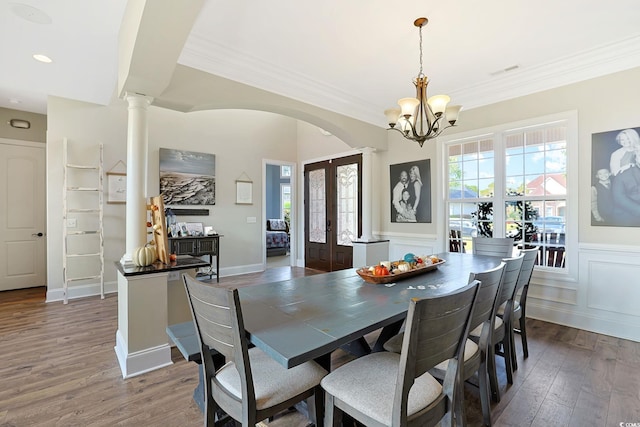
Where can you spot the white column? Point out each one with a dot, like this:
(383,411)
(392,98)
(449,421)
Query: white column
(367,193)
(137,148)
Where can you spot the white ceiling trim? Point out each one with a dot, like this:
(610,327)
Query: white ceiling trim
(217,59)
(600,61)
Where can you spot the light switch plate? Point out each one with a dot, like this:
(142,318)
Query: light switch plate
(251,220)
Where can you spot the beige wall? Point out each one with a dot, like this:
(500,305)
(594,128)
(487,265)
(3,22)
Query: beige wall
(240,139)
(36,133)
(597,293)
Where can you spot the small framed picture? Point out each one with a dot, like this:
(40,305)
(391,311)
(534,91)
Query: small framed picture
(116,187)
(244,190)
(182,230)
(195,228)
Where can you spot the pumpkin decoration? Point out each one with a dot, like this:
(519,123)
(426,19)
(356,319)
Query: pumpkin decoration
(144,256)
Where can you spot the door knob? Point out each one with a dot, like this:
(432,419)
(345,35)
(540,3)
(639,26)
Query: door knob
(38,234)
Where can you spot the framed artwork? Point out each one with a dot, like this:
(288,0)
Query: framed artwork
(187,178)
(244,192)
(410,185)
(116,187)
(615,178)
(195,228)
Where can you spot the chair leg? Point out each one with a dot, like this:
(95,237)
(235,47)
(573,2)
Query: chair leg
(507,349)
(485,400)
(332,415)
(493,377)
(523,336)
(316,406)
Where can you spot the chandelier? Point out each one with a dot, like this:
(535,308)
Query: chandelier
(422,118)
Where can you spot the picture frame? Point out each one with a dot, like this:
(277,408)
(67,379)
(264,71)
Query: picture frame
(116,188)
(187,177)
(182,230)
(195,229)
(615,158)
(410,185)
(244,192)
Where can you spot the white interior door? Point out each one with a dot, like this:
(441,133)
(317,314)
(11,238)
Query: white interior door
(22,215)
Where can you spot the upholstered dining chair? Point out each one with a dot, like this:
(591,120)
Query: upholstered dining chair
(476,355)
(391,389)
(517,306)
(500,336)
(494,246)
(251,386)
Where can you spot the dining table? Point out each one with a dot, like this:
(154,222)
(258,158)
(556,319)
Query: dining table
(307,318)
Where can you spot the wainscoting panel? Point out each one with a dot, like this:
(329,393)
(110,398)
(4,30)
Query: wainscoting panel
(400,244)
(605,297)
(618,292)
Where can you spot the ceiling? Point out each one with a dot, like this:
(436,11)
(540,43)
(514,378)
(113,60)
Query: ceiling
(354,57)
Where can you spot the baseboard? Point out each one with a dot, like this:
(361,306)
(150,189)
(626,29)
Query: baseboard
(140,362)
(81,291)
(241,269)
(583,321)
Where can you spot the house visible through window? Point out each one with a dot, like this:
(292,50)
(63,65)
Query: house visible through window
(512,183)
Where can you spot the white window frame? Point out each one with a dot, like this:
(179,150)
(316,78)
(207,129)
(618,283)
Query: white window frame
(496,132)
(282,187)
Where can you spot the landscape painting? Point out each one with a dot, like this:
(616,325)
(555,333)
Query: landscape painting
(187,178)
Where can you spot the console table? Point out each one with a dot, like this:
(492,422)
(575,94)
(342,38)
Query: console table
(199,246)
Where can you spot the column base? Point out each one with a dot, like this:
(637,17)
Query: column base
(140,362)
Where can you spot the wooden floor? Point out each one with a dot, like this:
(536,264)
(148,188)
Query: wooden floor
(58,368)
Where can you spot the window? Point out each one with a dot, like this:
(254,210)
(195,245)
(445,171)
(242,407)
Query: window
(285,171)
(512,182)
(285,202)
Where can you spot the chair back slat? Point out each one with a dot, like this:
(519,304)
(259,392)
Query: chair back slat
(512,269)
(211,307)
(491,281)
(495,246)
(528,263)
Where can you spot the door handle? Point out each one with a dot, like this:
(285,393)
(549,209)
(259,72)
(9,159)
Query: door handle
(38,234)
(328,225)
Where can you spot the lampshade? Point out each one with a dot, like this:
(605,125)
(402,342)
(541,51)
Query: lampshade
(438,104)
(392,115)
(408,106)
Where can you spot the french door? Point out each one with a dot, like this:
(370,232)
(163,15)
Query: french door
(333,210)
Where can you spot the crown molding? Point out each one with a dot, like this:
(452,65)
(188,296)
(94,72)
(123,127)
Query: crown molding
(220,60)
(215,58)
(599,61)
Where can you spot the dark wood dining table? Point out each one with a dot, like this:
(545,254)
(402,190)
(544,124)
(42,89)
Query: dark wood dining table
(309,317)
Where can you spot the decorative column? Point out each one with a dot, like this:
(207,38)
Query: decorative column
(367,250)
(367,193)
(137,150)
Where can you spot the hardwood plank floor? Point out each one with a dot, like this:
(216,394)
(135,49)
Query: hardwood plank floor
(58,368)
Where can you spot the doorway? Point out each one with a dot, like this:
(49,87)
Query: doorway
(332,207)
(22,215)
(278,201)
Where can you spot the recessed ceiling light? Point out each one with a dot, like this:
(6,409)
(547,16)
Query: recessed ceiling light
(30,13)
(14,100)
(42,58)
